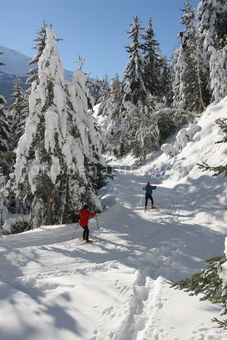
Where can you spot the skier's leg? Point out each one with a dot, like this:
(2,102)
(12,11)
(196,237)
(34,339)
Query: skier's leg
(87,238)
(86,233)
(146,199)
(152,201)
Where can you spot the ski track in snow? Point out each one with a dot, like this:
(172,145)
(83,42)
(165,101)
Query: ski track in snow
(55,276)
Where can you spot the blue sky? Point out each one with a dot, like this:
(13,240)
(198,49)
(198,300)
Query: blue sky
(94,29)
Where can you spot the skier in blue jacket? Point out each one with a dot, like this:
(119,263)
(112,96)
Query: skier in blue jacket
(148,195)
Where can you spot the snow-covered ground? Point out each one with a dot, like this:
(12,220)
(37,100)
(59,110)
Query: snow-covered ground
(56,288)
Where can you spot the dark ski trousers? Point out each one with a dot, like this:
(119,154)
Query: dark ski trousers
(149,196)
(85,233)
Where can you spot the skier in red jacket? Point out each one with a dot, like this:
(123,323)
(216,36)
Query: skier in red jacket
(84,216)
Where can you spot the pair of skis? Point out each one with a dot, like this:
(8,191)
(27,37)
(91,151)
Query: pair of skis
(151,208)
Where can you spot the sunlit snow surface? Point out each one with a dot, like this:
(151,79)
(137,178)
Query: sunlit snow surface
(53,287)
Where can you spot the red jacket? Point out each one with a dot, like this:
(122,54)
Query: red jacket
(84,216)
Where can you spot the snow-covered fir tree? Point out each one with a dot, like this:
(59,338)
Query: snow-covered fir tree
(4,127)
(5,155)
(1,63)
(189,85)
(99,89)
(136,118)
(50,171)
(111,110)
(18,111)
(40,45)
(139,88)
(147,132)
(179,68)
(165,82)
(152,62)
(135,88)
(90,137)
(5,137)
(212,25)
(218,73)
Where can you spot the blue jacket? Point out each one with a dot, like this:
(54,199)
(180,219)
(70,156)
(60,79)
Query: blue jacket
(149,188)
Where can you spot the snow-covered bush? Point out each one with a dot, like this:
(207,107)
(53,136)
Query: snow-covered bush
(182,138)
(169,150)
(16,224)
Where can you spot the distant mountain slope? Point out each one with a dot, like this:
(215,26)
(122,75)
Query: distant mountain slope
(16,64)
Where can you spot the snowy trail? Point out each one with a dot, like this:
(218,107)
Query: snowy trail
(57,288)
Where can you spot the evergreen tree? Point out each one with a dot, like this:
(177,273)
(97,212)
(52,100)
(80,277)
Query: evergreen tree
(90,135)
(147,132)
(6,155)
(132,123)
(112,105)
(40,45)
(165,81)
(104,89)
(189,86)
(209,283)
(4,127)
(111,110)
(99,89)
(116,94)
(1,64)
(50,171)
(218,73)
(212,16)
(179,67)
(18,111)
(152,62)
(135,88)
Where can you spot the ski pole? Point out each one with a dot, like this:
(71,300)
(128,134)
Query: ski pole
(75,231)
(98,227)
